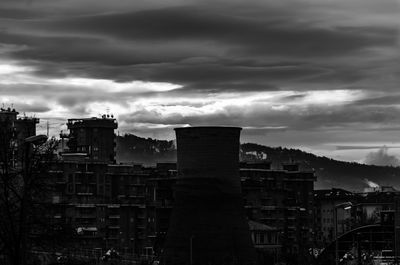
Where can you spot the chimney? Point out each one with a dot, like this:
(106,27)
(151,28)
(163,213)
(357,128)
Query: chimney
(208,223)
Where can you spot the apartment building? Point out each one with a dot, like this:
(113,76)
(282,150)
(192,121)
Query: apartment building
(282,199)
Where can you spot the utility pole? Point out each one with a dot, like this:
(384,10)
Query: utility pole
(336,238)
(345,206)
(191,249)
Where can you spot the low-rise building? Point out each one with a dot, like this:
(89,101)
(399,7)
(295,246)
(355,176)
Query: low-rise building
(266,240)
(325,202)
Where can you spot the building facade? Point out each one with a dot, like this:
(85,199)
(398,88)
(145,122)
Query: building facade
(128,207)
(92,137)
(282,199)
(325,202)
(15,130)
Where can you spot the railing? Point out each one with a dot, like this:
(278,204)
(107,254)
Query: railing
(91,256)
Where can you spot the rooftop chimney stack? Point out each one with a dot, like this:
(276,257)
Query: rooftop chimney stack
(208,223)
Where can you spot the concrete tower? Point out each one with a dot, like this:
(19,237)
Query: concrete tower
(208,223)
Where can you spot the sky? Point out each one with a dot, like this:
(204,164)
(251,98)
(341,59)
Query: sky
(319,75)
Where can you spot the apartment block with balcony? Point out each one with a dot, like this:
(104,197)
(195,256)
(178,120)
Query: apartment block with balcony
(282,199)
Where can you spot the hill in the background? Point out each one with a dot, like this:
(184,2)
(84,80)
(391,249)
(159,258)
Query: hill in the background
(147,151)
(330,172)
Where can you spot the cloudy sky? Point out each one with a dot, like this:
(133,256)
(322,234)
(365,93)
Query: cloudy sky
(320,75)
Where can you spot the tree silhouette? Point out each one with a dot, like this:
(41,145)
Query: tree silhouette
(24,187)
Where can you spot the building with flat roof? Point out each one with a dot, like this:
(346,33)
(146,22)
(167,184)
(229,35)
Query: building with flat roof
(282,199)
(16,129)
(93,137)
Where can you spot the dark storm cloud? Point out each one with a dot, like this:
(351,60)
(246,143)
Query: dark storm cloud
(353,114)
(241,78)
(209,50)
(94,57)
(14,13)
(381,100)
(293,97)
(37,107)
(217,51)
(91,50)
(248,35)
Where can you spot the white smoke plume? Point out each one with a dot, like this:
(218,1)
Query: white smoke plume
(382,158)
(371,184)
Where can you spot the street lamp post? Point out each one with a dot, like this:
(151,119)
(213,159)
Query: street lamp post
(345,206)
(191,249)
(36,139)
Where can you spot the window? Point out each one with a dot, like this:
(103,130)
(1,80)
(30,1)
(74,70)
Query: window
(60,177)
(100,179)
(269,240)
(262,239)
(107,190)
(101,190)
(70,188)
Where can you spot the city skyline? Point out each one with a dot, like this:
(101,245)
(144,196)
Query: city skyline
(321,76)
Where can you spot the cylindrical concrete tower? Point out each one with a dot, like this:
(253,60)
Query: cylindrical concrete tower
(208,223)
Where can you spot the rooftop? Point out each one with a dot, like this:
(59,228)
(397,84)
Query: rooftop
(332,194)
(106,121)
(8,111)
(259,226)
(207,128)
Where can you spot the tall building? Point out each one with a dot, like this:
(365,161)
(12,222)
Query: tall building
(104,204)
(8,115)
(7,134)
(94,138)
(204,204)
(108,205)
(16,129)
(23,127)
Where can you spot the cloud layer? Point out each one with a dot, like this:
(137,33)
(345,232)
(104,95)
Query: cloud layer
(309,74)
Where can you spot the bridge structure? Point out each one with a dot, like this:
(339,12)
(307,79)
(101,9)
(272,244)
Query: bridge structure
(364,241)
